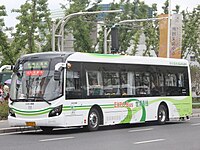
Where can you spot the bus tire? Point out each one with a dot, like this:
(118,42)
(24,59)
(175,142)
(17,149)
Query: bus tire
(93,120)
(47,129)
(162,114)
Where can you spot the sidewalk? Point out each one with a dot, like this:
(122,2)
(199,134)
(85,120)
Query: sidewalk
(5,128)
(196,112)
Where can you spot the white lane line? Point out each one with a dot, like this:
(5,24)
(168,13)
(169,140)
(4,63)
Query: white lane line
(139,130)
(149,141)
(56,139)
(195,124)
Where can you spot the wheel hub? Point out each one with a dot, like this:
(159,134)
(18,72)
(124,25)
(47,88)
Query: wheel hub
(93,120)
(162,115)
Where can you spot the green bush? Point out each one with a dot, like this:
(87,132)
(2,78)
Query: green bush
(196,100)
(4,110)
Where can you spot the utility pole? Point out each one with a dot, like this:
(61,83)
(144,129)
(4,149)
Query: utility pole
(53,35)
(105,40)
(169,31)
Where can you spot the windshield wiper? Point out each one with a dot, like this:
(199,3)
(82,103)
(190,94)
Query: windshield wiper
(39,97)
(13,101)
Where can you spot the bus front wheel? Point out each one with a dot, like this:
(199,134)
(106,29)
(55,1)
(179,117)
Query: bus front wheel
(162,114)
(93,120)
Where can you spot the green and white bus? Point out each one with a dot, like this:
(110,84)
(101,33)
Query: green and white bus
(60,89)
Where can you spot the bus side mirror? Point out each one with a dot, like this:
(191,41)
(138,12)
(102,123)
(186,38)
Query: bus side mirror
(57,71)
(57,75)
(60,65)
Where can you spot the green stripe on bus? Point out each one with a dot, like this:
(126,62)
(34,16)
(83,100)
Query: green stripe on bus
(34,111)
(130,113)
(105,55)
(179,104)
(31,114)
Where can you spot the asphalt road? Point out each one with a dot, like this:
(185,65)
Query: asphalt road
(172,136)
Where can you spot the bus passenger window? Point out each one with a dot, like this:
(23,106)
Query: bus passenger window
(142,83)
(126,83)
(156,88)
(180,80)
(94,84)
(170,80)
(73,85)
(111,83)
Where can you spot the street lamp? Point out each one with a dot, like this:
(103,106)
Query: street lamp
(64,21)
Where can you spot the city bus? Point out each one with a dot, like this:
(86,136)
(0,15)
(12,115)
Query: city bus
(62,89)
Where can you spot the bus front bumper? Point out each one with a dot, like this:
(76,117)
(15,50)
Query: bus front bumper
(57,121)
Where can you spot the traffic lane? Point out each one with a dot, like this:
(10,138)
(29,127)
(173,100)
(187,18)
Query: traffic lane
(184,136)
(172,135)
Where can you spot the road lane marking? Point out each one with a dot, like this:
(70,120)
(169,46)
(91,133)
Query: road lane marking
(56,139)
(149,141)
(139,130)
(195,124)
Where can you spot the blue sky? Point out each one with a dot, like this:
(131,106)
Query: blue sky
(55,5)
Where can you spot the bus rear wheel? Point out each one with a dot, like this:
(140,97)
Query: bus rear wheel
(47,129)
(162,114)
(93,120)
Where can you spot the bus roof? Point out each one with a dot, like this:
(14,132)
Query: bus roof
(125,59)
(110,58)
(45,55)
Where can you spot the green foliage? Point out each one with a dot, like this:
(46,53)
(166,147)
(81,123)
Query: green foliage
(197,101)
(136,39)
(191,32)
(165,7)
(33,30)
(81,26)
(195,76)
(130,33)
(4,45)
(4,109)
(2,13)
(177,9)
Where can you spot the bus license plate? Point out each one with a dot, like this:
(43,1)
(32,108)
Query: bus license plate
(32,124)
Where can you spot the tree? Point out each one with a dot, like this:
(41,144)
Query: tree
(129,33)
(165,7)
(191,32)
(151,33)
(195,75)
(177,9)
(8,57)
(33,31)
(81,26)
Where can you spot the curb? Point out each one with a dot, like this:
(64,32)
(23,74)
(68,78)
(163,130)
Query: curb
(16,129)
(2,121)
(195,115)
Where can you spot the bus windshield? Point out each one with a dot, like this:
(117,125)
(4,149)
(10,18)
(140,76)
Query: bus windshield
(34,81)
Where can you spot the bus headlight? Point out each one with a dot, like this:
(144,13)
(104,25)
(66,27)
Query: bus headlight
(56,111)
(11,112)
